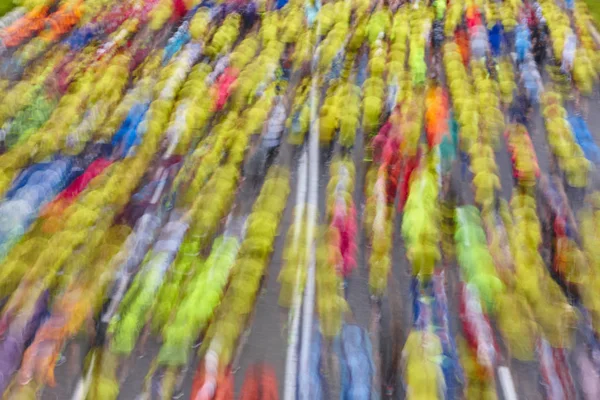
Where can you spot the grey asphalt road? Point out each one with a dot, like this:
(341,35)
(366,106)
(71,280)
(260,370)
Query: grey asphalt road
(267,337)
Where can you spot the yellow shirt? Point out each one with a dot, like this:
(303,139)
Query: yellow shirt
(423,257)
(480,164)
(485,184)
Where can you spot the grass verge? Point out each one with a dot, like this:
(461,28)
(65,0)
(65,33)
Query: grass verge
(5,6)
(594,7)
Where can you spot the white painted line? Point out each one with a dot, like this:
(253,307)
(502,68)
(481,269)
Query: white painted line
(291,366)
(83,386)
(311,217)
(307,326)
(506,381)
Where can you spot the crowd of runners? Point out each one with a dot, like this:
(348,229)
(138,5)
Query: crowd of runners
(154,152)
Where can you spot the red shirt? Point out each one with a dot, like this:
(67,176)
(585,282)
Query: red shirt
(379,141)
(224,84)
(68,195)
(409,166)
(179,8)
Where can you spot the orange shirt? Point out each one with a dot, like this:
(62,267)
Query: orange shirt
(463,45)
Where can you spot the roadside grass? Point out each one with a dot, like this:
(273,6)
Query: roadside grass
(594,7)
(5,6)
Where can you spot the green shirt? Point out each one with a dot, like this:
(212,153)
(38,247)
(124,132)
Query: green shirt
(448,146)
(440,8)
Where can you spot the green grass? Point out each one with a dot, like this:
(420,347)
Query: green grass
(594,7)
(5,6)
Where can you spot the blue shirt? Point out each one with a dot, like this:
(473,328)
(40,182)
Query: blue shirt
(311,12)
(495,37)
